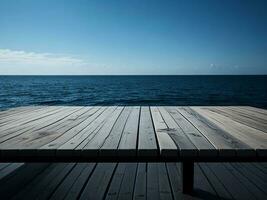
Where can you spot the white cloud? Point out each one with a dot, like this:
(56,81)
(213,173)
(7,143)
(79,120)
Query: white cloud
(10,57)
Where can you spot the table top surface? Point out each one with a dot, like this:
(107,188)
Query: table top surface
(133,133)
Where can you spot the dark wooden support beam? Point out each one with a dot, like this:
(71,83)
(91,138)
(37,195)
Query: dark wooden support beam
(187,169)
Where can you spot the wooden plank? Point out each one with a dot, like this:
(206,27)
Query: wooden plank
(15,110)
(34,139)
(147,141)
(252,137)
(3,165)
(28,189)
(93,146)
(46,122)
(77,187)
(254,190)
(223,141)
(241,118)
(27,117)
(14,127)
(98,183)
(122,184)
(261,184)
(114,188)
(248,113)
(19,178)
(17,125)
(186,147)
(205,148)
(86,119)
(175,182)
(83,137)
(166,144)
(18,117)
(257,171)
(17,113)
(48,135)
(158,186)
(128,142)
(62,190)
(128,182)
(9,169)
(232,184)
(48,190)
(140,183)
(38,188)
(202,187)
(216,183)
(257,110)
(112,141)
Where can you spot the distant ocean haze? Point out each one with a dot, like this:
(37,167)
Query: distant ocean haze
(133,90)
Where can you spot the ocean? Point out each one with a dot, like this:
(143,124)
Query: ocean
(132,90)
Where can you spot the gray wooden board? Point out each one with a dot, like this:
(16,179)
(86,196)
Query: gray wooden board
(46,136)
(166,144)
(82,138)
(254,109)
(112,141)
(25,191)
(93,146)
(254,138)
(261,184)
(133,181)
(99,181)
(205,148)
(134,132)
(38,188)
(202,188)
(90,133)
(81,124)
(147,141)
(242,118)
(158,186)
(32,140)
(77,187)
(67,183)
(215,182)
(230,182)
(21,177)
(128,182)
(185,145)
(226,143)
(140,183)
(18,114)
(30,117)
(29,128)
(255,116)
(34,118)
(128,141)
(49,189)
(250,186)
(122,184)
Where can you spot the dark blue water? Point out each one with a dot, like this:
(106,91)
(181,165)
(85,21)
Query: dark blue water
(133,90)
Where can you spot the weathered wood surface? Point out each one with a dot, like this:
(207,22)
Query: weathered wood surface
(138,181)
(133,133)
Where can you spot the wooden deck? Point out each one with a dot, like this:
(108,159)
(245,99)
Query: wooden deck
(117,133)
(138,181)
(137,134)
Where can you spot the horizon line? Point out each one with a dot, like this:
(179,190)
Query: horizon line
(133,75)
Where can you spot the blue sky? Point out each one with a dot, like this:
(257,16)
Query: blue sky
(133,37)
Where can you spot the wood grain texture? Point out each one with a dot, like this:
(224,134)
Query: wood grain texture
(133,133)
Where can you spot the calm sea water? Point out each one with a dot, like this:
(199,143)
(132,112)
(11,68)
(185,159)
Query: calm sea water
(133,90)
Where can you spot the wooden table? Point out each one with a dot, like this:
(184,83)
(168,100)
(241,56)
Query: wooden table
(134,134)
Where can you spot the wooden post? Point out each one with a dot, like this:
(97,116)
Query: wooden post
(187,169)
